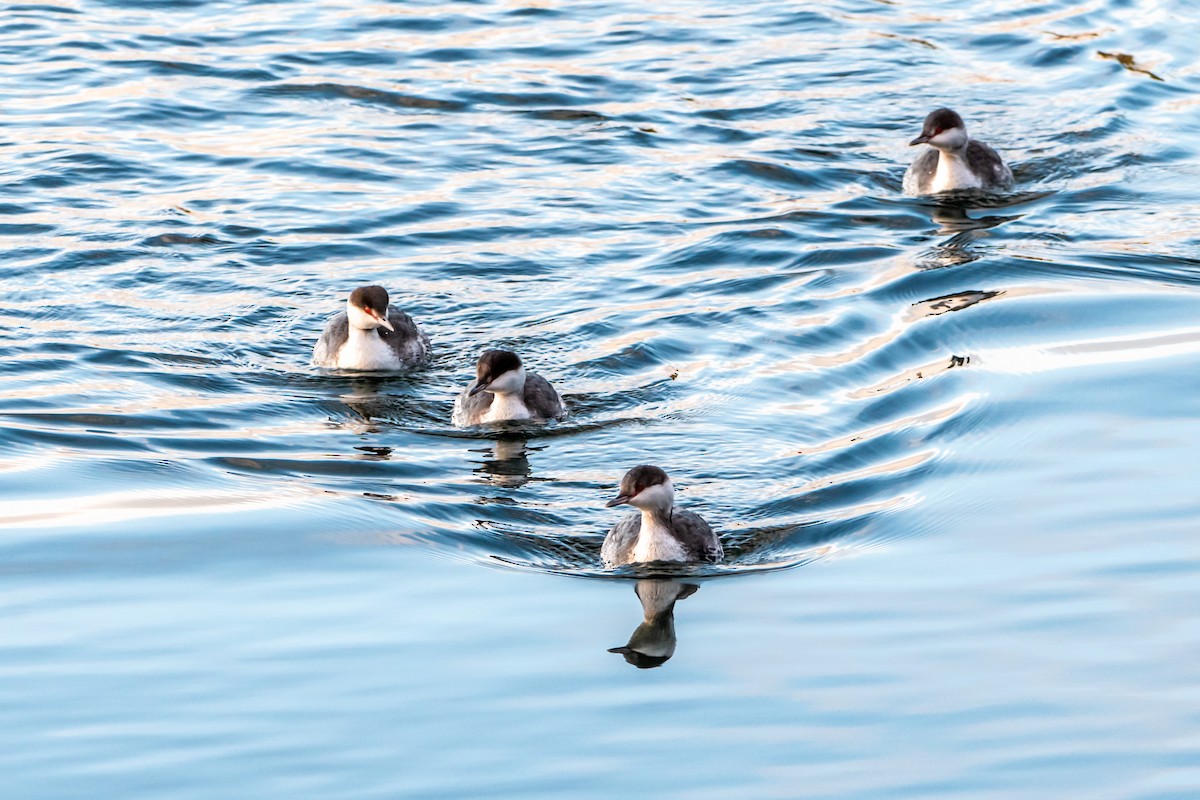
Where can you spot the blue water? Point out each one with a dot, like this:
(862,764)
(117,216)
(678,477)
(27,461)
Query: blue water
(950,446)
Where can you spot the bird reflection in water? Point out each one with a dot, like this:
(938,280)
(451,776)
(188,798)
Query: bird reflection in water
(955,251)
(950,211)
(653,642)
(954,219)
(366,402)
(506,462)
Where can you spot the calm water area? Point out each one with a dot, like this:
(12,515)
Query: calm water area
(951,445)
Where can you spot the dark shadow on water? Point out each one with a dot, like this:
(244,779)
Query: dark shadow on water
(371,453)
(936,306)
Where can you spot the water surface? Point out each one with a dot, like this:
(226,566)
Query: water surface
(950,445)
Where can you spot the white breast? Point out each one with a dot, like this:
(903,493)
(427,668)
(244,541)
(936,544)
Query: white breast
(365,350)
(506,407)
(953,173)
(655,543)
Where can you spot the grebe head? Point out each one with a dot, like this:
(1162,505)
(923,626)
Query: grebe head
(367,308)
(645,487)
(499,372)
(943,129)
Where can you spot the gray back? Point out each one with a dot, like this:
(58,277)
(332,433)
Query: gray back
(696,536)
(540,398)
(987,164)
(409,344)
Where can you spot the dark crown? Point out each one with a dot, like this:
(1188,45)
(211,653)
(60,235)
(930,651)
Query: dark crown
(494,363)
(642,477)
(374,298)
(941,119)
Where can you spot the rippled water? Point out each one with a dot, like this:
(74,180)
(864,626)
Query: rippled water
(225,572)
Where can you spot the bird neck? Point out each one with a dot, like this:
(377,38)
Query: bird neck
(656,537)
(658,598)
(655,504)
(657,517)
(956,149)
(507,406)
(356,334)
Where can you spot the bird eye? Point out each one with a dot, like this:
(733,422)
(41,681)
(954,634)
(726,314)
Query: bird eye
(939,130)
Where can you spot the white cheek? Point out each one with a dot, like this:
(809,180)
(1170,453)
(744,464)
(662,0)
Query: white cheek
(511,381)
(360,319)
(952,139)
(655,496)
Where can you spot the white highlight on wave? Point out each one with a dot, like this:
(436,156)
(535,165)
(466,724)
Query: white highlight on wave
(1090,352)
(117,507)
